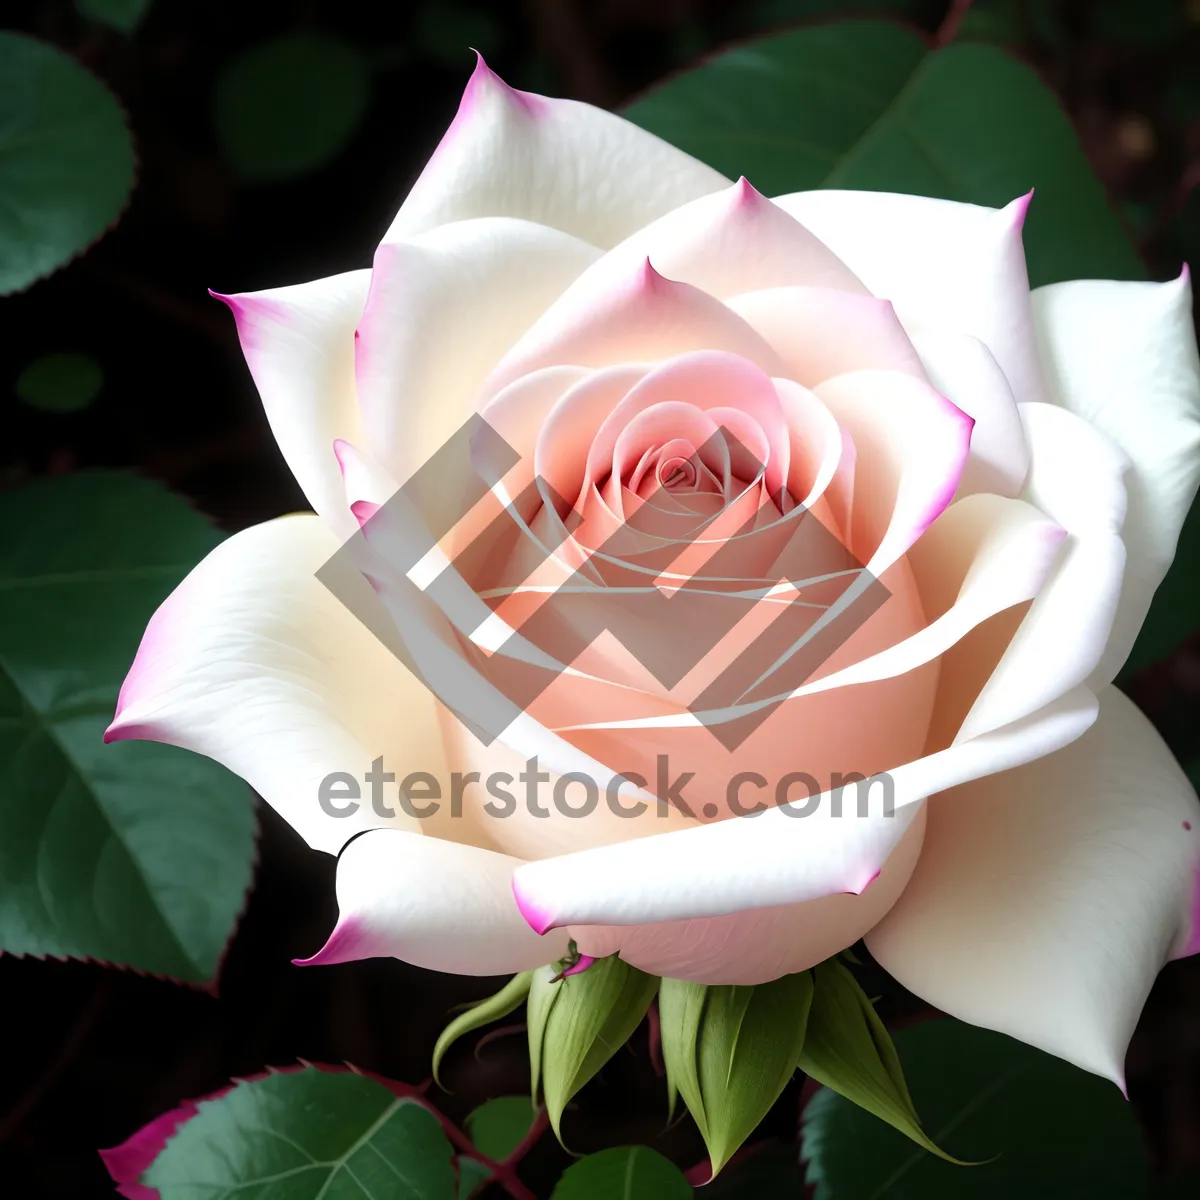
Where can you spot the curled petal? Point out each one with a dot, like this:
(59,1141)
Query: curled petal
(432,903)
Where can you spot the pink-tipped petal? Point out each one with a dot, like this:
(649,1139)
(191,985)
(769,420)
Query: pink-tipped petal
(943,265)
(777,857)
(255,663)
(434,903)
(560,163)
(635,317)
(1123,357)
(299,346)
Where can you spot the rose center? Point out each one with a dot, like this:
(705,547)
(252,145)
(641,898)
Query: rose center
(676,472)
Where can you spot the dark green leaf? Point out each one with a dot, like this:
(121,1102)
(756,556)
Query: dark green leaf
(680,1011)
(290,105)
(578,1023)
(848,1049)
(1052,1131)
(133,853)
(623,1173)
(62,383)
(122,15)
(66,160)
(472,1175)
(506,1000)
(497,1127)
(867,105)
(307,1134)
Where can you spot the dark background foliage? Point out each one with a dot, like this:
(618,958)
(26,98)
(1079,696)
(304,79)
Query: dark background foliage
(92,1054)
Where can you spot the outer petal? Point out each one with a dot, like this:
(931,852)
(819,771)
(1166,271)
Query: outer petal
(253,662)
(299,346)
(432,903)
(561,163)
(1075,478)
(944,264)
(1047,898)
(760,944)
(1123,356)
(442,311)
(774,857)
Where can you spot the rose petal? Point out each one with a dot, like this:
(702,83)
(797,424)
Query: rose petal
(640,317)
(560,163)
(1075,478)
(911,448)
(774,858)
(442,311)
(733,241)
(941,263)
(760,944)
(1123,356)
(820,333)
(256,664)
(299,346)
(434,904)
(1047,898)
(963,370)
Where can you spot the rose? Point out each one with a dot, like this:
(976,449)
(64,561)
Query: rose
(1013,466)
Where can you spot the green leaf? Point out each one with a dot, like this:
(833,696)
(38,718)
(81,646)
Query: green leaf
(306,1134)
(60,383)
(506,1000)
(867,105)
(122,15)
(577,1023)
(133,853)
(290,105)
(66,160)
(623,1173)
(1050,1130)
(497,1127)
(472,1175)
(848,1049)
(744,1049)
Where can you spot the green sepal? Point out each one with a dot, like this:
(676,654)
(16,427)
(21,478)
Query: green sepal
(733,1050)
(680,1008)
(849,1051)
(485,1012)
(578,1022)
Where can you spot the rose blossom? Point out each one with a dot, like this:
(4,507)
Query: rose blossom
(1013,466)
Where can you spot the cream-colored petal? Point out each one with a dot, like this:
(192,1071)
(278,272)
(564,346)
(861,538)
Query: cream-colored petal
(1047,897)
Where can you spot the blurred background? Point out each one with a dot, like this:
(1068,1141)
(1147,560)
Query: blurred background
(274,141)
